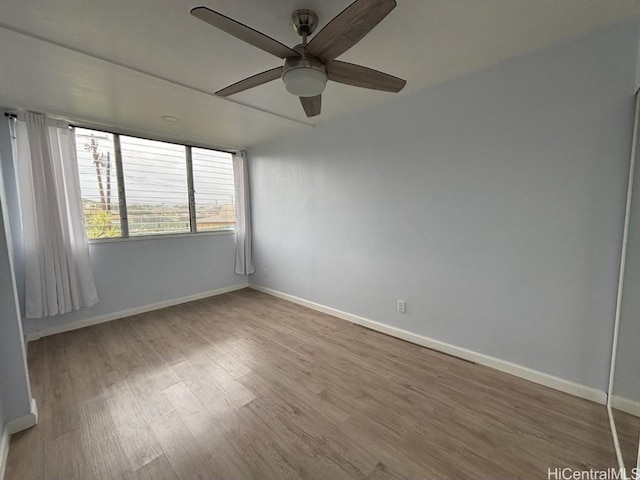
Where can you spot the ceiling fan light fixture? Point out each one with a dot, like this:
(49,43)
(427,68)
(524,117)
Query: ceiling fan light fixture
(304,77)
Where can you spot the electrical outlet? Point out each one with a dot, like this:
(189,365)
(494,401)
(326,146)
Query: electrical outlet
(402,306)
(266,273)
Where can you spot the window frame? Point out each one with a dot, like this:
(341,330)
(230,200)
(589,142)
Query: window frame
(122,205)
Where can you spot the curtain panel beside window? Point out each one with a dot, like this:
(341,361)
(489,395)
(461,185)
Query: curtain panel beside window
(58,271)
(244,258)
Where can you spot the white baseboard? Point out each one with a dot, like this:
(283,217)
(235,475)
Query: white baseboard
(131,311)
(14,426)
(626,405)
(535,376)
(25,421)
(4,450)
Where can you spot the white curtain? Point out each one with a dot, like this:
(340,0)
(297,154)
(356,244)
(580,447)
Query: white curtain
(244,259)
(57,264)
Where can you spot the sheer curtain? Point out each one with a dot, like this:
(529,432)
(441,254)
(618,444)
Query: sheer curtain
(244,258)
(58,272)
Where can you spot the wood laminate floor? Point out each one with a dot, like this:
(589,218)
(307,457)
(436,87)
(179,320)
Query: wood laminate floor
(245,385)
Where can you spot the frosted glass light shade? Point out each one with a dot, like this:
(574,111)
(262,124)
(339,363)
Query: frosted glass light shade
(304,82)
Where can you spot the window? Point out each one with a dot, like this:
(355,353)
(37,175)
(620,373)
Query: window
(155,179)
(136,187)
(214,193)
(98,183)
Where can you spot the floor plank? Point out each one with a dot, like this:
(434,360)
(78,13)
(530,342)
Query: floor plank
(245,385)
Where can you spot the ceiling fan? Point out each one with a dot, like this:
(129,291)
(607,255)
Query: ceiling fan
(308,66)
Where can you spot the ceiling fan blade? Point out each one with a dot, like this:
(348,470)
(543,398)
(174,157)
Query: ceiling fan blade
(311,105)
(251,82)
(243,32)
(359,76)
(348,27)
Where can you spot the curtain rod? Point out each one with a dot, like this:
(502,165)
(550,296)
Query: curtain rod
(232,152)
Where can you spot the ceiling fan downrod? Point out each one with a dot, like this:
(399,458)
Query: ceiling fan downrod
(304,22)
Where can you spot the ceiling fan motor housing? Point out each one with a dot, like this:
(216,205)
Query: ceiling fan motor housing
(304,22)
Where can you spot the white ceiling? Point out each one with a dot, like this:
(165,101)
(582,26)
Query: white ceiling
(123,64)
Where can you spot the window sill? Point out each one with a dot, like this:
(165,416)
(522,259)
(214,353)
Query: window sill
(97,241)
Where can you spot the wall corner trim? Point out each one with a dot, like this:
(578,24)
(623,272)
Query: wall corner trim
(526,373)
(4,449)
(131,311)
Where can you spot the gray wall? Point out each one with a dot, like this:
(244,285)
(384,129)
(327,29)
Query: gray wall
(627,373)
(11,194)
(136,273)
(15,394)
(2,419)
(493,204)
